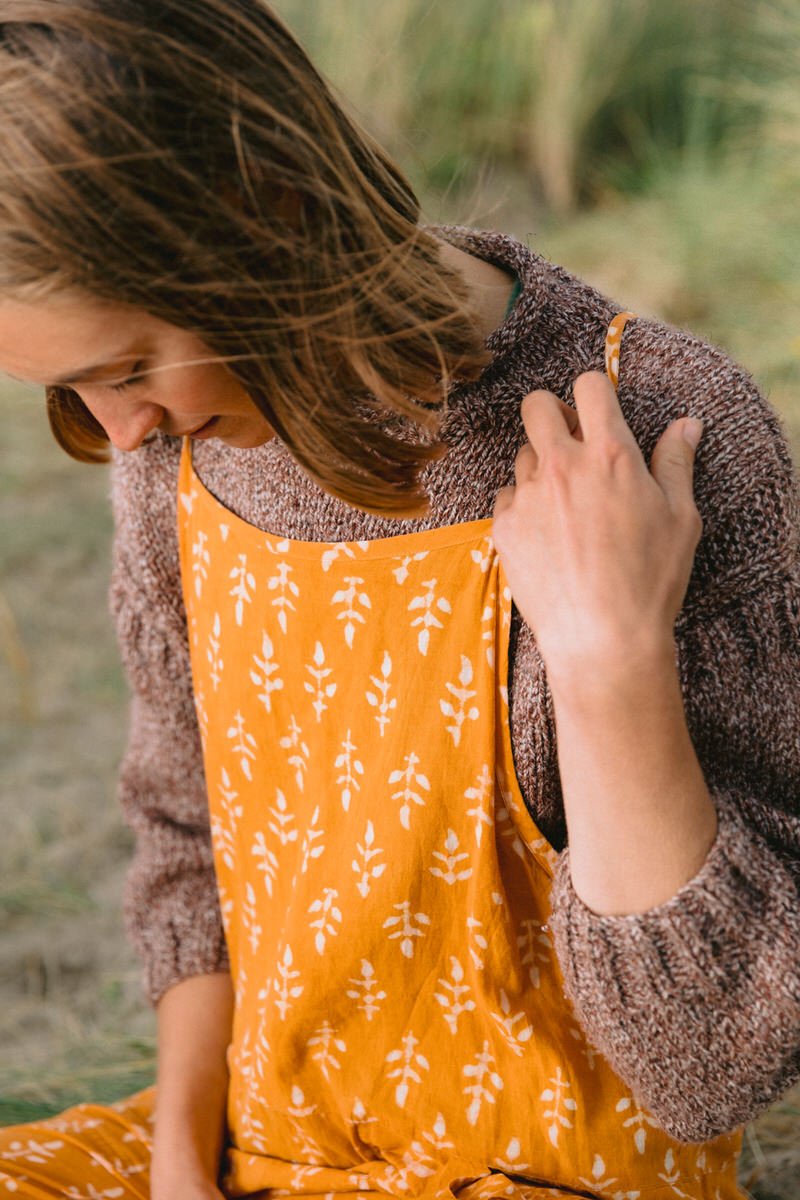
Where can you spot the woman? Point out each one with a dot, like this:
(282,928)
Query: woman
(399,939)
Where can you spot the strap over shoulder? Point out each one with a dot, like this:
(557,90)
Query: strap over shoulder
(613,342)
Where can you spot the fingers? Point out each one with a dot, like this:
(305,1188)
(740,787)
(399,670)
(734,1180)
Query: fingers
(503,500)
(598,408)
(547,419)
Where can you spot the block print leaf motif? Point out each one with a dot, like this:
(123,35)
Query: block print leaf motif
(351,768)
(409,1064)
(266,667)
(329,1045)
(202,716)
(351,597)
(32,1151)
(312,845)
(330,555)
(586,1048)
(460,712)
(244,745)
(513,1026)
(282,820)
(202,558)
(478,942)
(487,1083)
(320,690)
(533,943)
(365,989)
(485,556)
(638,1121)
(416,1160)
(299,759)
(455,998)
(401,573)
(262,1051)
(268,863)
(213,655)
(512,1163)
(508,831)
(450,862)
(286,589)
(116,1168)
(286,990)
(410,927)
(188,499)
(505,615)
(245,1070)
(602,1184)
(363,865)
(560,1105)
(411,780)
(488,630)
(330,916)
(380,697)
(225,821)
(250,918)
(437,1135)
(243,588)
(308,1149)
(63,1124)
(483,794)
(92,1193)
(430,604)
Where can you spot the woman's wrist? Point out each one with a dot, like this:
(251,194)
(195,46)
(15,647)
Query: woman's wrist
(194,1019)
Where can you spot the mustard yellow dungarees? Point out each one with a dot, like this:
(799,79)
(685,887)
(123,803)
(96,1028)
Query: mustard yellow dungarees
(400,1023)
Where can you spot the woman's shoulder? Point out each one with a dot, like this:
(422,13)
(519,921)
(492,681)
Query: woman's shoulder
(745,479)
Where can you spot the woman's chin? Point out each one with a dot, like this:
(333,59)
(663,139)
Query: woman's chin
(245,440)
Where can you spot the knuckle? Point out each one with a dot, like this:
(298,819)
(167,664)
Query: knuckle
(522,454)
(614,451)
(695,523)
(557,462)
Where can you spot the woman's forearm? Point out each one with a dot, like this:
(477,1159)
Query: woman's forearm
(194,1030)
(639,816)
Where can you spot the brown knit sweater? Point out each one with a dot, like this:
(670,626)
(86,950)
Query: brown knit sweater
(695,1003)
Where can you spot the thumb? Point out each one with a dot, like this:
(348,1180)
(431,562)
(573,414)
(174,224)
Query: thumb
(672,462)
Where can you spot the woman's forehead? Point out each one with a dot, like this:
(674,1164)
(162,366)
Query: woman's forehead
(65,339)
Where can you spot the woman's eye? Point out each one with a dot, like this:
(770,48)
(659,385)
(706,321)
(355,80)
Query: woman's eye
(134,378)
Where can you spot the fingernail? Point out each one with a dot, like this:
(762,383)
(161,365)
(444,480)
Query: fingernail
(693,431)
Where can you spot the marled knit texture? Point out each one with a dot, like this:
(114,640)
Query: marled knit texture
(696,1003)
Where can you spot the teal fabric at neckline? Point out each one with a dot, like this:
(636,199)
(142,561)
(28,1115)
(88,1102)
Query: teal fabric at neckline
(516,291)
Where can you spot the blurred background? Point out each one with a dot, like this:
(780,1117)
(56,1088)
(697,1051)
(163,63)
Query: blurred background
(650,146)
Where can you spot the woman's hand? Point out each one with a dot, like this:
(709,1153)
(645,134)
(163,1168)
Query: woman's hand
(597,550)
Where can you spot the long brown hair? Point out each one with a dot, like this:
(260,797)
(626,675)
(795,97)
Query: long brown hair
(186,158)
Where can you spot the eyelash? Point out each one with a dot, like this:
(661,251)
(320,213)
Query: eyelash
(131,382)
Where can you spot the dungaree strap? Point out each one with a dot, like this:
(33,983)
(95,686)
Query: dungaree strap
(613,342)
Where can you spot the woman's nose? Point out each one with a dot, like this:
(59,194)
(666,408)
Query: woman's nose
(126,424)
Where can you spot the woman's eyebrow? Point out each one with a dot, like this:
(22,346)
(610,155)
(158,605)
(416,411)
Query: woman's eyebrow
(86,374)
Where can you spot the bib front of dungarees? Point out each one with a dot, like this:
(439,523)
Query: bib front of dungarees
(400,1024)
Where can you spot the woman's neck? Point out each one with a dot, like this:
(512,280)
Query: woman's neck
(489,286)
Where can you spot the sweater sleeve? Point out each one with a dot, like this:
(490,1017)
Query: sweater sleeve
(696,1002)
(171,908)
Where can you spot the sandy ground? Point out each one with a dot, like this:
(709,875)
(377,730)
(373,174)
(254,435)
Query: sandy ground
(73,1024)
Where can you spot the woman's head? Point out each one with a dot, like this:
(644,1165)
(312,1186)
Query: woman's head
(182,160)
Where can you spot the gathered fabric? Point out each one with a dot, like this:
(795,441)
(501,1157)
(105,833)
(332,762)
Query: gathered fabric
(400,1023)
